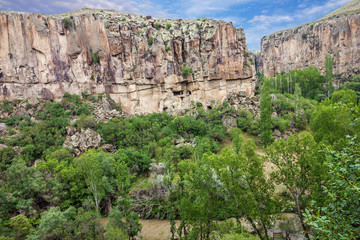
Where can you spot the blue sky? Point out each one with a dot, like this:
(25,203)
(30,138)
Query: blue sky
(258,17)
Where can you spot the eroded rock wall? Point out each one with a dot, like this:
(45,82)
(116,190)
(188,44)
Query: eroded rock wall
(140,59)
(308,45)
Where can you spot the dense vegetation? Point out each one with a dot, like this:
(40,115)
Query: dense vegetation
(188,168)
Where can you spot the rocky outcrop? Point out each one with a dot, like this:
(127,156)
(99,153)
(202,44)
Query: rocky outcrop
(81,141)
(337,34)
(139,61)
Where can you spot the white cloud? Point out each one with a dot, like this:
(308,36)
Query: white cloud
(325,8)
(270,19)
(196,8)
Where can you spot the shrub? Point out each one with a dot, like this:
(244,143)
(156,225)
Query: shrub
(167,48)
(280,124)
(244,120)
(304,36)
(150,41)
(68,23)
(86,122)
(186,71)
(157,26)
(95,57)
(168,26)
(107,26)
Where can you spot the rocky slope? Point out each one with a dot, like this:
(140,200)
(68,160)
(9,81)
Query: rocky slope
(337,34)
(138,60)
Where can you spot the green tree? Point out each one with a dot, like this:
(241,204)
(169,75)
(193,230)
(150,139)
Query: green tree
(21,226)
(299,167)
(241,177)
(265,114)
(340,217)
(329,65)
(332,120)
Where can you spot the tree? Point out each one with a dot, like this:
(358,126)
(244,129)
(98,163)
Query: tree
(241,177)
(329,63)
(21,226)
(265,114)
(54,224)
(340,217)
(298,105)
(299,167)
(90,165)
(332,119)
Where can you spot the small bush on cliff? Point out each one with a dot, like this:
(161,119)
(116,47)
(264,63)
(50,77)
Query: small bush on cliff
(186,71)
(68,23)
(95,57)
(168,26)
(157,26)
(150,41)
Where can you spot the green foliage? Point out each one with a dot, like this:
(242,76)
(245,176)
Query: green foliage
(329,65)
(167,48)
(168,26)
(331,121)
(304,36)
(68,23)
(21,226)
(265,115)
(311,83)
(157,26)
(6,106)
(299,167)
(55,224)
(186,71)
(86,122)
(7,156)
(95,57)
(339,217)
(150,41)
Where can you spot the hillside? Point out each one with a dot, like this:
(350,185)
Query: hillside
(307,45)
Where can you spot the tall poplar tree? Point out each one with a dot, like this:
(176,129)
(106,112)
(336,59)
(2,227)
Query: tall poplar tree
(265,114)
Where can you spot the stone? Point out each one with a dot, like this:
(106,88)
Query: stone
(2,146)
(229,122)
(43,60)
(307,45)
(82,141)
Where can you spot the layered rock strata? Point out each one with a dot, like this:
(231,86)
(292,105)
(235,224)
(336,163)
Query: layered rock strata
(148,64)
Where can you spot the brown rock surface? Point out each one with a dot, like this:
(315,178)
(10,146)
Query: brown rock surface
(337,34)
(140,59)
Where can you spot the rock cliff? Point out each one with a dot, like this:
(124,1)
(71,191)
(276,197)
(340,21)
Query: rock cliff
(148,64)
(337,34)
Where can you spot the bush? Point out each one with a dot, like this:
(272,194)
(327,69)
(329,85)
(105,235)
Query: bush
(150,41)
(68,23)
(244,120)
(157,26)
(95,57)
(167,48)
(186,71)
(280,124)
(86,122)
(168,26)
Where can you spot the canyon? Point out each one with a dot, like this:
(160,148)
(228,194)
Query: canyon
(337,34)
(148,64)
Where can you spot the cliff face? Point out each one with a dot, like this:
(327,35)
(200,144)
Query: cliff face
(140,59)
(308,45)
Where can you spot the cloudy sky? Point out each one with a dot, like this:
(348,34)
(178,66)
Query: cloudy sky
(258,17)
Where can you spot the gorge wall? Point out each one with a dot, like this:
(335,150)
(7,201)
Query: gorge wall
(337,34)
(140,59)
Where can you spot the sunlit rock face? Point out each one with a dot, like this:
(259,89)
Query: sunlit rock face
(308,45)
(140,59)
